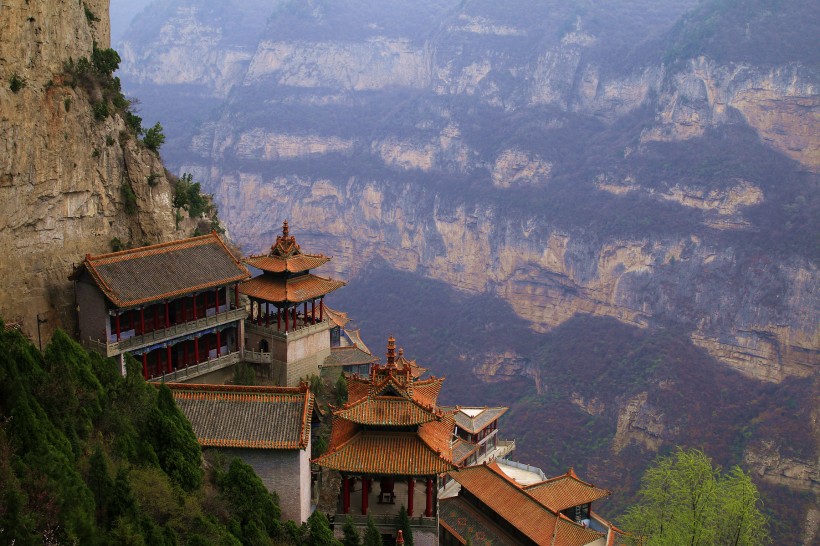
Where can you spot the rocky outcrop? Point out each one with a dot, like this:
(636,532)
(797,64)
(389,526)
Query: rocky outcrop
(780,103)
(640,423)
(62,171)
(765,460)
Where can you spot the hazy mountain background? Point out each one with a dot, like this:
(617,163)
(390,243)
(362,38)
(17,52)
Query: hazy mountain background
(603,214)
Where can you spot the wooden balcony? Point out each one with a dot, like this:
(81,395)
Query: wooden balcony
(115,348)
(197,370)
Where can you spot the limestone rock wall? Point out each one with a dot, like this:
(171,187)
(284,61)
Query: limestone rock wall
(548,275)
(61,171)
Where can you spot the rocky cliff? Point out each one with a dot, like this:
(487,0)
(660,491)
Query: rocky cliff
(63,171)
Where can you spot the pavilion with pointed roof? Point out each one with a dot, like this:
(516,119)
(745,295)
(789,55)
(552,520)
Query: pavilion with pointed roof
(286,325)
(390,433)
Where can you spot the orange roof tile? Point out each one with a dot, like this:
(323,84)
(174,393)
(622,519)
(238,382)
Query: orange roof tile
(386,410)
(426,391)
(167,270)
(565,491)
(286,256)
(292,290)
(249,417)
(493,488)
(357,388)
(380,452)
(338,318)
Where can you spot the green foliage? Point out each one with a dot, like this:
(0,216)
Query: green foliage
(341,390)
(256,511)
(89,15)
(100,110)
(244,374)
(685,501)
(16,83)
(154,137)
(372,537)
(105,62)
(319,533)
(129,198)
(133,122)
(404,525)
(351,534)
(174,442)
(77,465)
(153,179)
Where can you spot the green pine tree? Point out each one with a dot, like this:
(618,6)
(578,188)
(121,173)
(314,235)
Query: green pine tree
(351,534)
(319,531)
(404,525)
(372,536)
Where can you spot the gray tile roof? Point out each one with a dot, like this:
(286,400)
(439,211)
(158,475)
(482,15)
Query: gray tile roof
(250,417)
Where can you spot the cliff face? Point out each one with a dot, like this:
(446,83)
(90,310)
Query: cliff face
(62,171)
(548,275)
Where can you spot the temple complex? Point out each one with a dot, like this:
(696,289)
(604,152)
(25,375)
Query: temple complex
(390,443)
(286,322)
(173,306)
(188,310)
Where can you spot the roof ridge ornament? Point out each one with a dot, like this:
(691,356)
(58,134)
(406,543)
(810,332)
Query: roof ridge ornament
(391,352)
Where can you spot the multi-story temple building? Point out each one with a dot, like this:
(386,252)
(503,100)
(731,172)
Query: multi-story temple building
(173,306)
(286,324)
(390,443)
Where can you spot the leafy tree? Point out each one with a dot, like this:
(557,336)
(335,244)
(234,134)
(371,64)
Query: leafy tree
(105,61)
(319,531)
(154,137)
(372,536)
(684,501)
(255,509)
(341,390)
(351,534)
(174,441)
(404,525)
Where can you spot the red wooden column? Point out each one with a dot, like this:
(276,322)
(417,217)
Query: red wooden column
(365,492)
(286,319)
(411,485)
(216,299)
(117,322)
(429,511)
(142,320)
(346,494)
(184,354)
(167,315)
(267,314)
(218,343)
(313,311)
(145,365)
(168,352)
(194,306)
(196,349)
(236,296)
(321,309)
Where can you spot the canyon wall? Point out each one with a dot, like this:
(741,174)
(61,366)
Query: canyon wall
(62,170)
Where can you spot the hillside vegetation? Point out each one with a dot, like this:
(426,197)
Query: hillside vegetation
(90,457)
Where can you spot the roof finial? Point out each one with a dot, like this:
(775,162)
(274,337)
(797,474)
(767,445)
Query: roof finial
(400,538)
(285,231)
(391,352)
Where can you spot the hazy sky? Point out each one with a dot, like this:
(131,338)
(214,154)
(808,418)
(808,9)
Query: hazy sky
(122,11)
